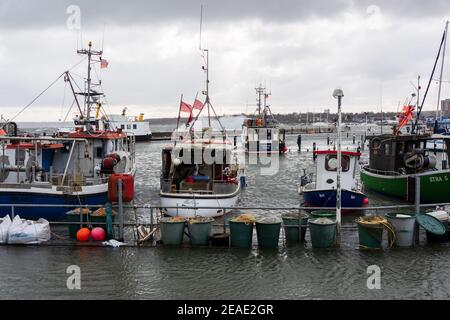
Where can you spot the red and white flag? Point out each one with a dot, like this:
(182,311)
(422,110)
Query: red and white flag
(185,107)
(103,63)
(198,104)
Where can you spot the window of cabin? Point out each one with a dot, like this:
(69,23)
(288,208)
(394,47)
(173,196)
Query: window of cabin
(135,126)
(20,157)
(98,152)
(387,149)
(128,126)
(122,126)
(331,162)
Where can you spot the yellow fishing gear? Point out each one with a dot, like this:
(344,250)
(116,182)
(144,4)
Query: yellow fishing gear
(370,231)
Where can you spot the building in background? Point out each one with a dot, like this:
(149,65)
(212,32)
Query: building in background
(445,108)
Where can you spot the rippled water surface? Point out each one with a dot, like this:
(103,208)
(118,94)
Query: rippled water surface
(292,272)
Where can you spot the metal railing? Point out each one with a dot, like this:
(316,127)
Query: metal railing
(381,172)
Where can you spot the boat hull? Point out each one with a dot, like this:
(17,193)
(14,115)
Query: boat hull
(327,198)
(179,201)
(143,138)
(42,199)
(434,185)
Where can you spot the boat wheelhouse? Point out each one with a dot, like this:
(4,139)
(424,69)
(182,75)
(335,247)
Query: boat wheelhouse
(200,173)
(397,161)
(261,133)
(320,189)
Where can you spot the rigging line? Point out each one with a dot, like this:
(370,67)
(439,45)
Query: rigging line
(103,35)
(68,111)
(70,75)
(63,101)
(428,86)
(38,96)
(104,97)
(78,75)
(217,117)
(77,64)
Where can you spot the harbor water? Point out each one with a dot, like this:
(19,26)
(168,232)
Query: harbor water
(289,272)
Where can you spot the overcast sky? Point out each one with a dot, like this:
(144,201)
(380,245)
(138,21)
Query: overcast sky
(300,49)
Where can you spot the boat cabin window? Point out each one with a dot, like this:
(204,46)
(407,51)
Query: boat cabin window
(331,162)
(20,157)
(122,126)
(387,149)
(134,126)
(98,152)
(128,126)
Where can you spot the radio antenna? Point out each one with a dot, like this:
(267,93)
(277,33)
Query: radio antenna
(201,22)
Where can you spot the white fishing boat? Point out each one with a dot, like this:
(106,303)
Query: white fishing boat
(72,167)
(201,168)
(137,126)
(261,133)
(200,172)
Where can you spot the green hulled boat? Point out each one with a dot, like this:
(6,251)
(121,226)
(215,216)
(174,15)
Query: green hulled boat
(397,161)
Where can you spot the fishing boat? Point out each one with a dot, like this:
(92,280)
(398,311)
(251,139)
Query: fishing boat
(201,167)
(261,133)
(401,163)
(397,161)
(136,126)
(319,189)
(200,172)
(68,168)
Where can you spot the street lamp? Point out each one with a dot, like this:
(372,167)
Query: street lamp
(338,94)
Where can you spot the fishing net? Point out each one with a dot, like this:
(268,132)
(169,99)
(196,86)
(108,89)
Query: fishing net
(245,217)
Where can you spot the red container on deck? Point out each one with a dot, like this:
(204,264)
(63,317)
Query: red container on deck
(127,187)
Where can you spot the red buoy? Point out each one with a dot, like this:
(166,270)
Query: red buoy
(365,201)
(127,187)
(98,234)
(83,234)
(285,149)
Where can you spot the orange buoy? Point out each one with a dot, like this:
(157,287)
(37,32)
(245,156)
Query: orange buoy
(98,234)
(83,234)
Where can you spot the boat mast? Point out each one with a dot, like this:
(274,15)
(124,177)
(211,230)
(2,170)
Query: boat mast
(438,109)
(206,68)
(260,90)
(88,101)
(413,130)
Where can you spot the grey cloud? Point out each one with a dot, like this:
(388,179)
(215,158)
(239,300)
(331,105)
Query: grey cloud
(48,13)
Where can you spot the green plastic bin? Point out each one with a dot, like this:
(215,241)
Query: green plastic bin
(199,230)
(370,235)
(76,216)
(295,225)
(442,216)
(241,234)
(323,214)
(172,231)
(268,232)
(322,232)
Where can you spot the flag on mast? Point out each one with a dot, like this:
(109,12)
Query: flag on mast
(186,107)
(103,63)
(198,104)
